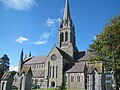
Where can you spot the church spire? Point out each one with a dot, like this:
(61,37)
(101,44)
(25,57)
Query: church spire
(21,55)
(66,36)
(66,11)
(67,21)
(30,54)
(21,61)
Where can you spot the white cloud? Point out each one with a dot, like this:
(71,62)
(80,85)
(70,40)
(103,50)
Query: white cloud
(18,4)
(53,29)
(43,38)
(52,22)
(21,39)
(45,35)
(13,68)
(40,42)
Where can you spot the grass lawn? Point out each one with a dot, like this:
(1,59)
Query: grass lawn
(39,89)
(50,89)
(56,89)
(44,89)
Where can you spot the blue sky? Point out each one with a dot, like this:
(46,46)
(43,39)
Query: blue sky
(33,24)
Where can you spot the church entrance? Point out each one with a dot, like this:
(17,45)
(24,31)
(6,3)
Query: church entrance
(52,84)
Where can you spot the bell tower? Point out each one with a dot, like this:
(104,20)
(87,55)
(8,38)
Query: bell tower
(66,33)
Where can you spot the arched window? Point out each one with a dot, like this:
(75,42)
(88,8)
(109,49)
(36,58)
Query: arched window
(66,36)
(36,81)
(53,71)
(62,37)
(78,78)
(42,65)
(72,78)
(56,71)
(50,72)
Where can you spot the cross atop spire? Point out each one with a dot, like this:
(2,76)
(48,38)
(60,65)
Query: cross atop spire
(66,22)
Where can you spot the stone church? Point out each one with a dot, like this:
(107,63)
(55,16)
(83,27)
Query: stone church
(65,65)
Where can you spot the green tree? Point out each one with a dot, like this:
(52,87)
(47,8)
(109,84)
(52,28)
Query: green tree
(106,47)
(4,64)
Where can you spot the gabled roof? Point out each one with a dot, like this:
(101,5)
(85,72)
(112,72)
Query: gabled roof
(7,75)
(42,59)
(78,55)
(77,68)
(87,56)
(64,54)
(36,60)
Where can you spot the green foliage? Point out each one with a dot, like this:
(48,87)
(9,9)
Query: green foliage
(4,61)
(4,64)
(1,73)
(107,46)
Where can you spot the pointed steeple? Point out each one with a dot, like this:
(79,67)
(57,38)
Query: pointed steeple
(66,11)
(21,61)
(30,54)
(21,55)
(67,21)
(66,36)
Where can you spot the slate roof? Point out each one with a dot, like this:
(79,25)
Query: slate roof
(6,75)
(87,56)
(38,73)
(36,59)
(78,55)
(27,59)
(77,68)
(64,54)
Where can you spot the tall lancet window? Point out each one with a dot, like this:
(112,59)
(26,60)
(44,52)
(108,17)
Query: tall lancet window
(78,78)
(62,37)
(72,78)
(50,72)
(66,36)
(53,71)
(56,71)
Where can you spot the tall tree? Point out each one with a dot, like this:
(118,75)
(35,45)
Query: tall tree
(106,47)
(4,64)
